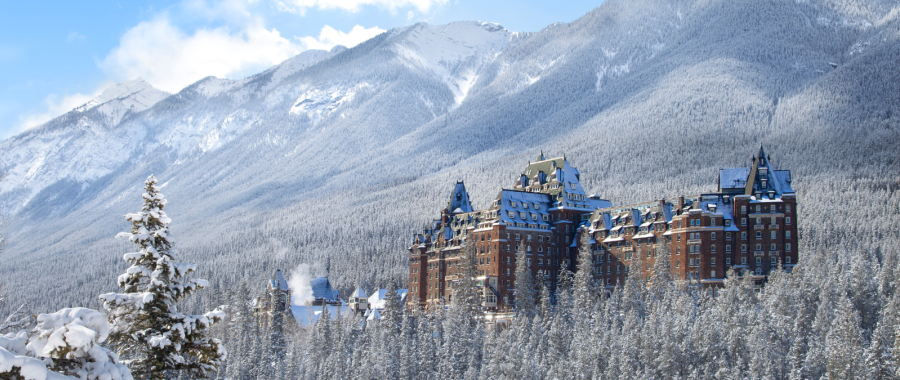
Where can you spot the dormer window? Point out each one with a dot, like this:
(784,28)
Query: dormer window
(513,203)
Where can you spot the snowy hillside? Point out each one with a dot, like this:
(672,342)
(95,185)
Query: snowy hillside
(336,157)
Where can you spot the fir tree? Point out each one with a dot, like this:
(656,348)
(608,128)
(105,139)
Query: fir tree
(147,327)
(466,294)
(524,284)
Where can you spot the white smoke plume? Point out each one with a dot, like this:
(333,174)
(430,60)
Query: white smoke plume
(300,283)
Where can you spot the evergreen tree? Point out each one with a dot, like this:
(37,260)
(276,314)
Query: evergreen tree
(524,284)
(584,286)
(844,344)
(879,358)
(147,327)
(466,292)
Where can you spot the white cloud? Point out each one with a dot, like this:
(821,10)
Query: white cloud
(300,6)
(75,36)
(329,37)
(56,105)
(170,59)
(410,15)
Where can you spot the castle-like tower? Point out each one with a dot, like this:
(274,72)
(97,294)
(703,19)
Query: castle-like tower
(748,225)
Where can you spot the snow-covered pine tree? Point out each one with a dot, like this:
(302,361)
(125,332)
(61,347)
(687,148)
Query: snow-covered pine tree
(466,293)
(844,343)
(147,328)
(584,287)
(63,345)
(524,284)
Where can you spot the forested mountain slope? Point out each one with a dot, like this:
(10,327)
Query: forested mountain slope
(334,158)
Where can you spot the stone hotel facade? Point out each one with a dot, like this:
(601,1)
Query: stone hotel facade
(748,225)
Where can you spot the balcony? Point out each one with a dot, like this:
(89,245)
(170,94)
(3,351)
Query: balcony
(759,227)
(759,253)
(694,241)
(774,253)
(773,227)
(628,249)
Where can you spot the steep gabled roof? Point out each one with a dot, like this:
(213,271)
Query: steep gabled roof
(459,200)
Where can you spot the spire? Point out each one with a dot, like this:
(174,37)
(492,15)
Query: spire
(459,200)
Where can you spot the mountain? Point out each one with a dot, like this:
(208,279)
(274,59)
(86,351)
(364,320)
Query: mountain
(334,158)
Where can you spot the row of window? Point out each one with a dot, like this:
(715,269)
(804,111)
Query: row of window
(772,208)
(787,221)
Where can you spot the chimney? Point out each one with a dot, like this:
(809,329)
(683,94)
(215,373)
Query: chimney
(681,202)
(662,204)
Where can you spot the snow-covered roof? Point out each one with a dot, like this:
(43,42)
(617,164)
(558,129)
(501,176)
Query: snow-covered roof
(733,178)
(533,206)
(279,281)
(459,200)
(377,299)
(321,288)
(373,315)
(359,293)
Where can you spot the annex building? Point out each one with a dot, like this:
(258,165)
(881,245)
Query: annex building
(749,224)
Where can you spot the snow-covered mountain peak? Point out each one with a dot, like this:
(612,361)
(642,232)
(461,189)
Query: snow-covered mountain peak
(136,95)
(455,52)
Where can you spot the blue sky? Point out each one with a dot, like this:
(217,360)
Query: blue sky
(55,56)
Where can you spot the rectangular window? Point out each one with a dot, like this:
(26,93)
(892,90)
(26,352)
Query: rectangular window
(743,260)
(787,247)
(759,234)
(757,208)
(743,248)
(774,260)
(787,208)
(743,221)
(678,263)
(528,237)
(712,236)
(758,220)
(712,248)
(517,237)
(727,222)
(727,261)
(677,250)
(743,209)
(772,246)
(787,220)
(787,259)
(787,234)
(743,236)
(772,209)
(727,248)
(759,261)
(618,269)
(712,274)
(678,237)
(690,262)
(772,235)
(759,247)
(712,261)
